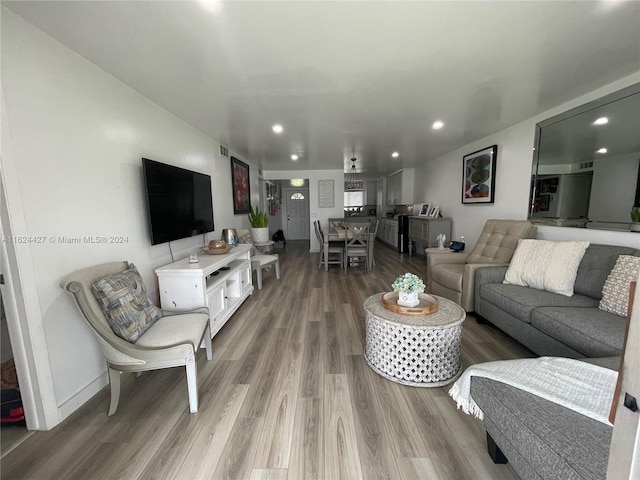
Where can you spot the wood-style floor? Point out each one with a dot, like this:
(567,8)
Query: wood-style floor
(288,395)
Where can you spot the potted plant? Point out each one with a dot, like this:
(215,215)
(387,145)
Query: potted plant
(635,218)
(408,286)
(259,230)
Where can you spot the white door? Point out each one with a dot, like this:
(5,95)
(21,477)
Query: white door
(297,214)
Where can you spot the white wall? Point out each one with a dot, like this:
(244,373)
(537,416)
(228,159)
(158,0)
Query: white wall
(73,137)
(434,180)
(316,213)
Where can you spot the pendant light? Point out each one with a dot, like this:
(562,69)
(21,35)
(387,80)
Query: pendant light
(353,182)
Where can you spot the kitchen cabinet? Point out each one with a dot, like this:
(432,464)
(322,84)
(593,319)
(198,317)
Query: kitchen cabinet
(424,231)
(400,187)
(371,192)
(219,282)
(388,232)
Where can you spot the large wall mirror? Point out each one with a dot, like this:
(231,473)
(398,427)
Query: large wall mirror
(586,167)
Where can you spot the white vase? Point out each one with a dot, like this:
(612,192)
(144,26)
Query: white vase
(260,235)
(408,299)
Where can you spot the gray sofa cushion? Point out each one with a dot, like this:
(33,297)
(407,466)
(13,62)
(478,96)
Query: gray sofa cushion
(552,441)
(597,263)
(520,301)
(591,331)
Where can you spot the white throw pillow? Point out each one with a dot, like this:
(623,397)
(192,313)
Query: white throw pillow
(615,293)
(546,265)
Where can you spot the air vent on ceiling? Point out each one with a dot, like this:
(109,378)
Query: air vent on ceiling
(224,151)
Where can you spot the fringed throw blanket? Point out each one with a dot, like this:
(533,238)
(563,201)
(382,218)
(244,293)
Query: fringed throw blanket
(582,387)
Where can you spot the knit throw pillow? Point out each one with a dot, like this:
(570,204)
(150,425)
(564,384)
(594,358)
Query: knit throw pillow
(125,304)
(546,265)
(615,293)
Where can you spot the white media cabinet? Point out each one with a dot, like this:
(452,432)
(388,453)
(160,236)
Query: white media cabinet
(185,286)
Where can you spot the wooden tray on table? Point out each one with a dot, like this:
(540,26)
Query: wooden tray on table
(428,304)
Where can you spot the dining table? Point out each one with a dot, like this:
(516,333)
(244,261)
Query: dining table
(337,233)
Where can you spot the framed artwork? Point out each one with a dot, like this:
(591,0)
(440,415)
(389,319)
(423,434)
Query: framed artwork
(434,211)
(424,210)
(325,194)
(241,186)
(479,175)
(544,202)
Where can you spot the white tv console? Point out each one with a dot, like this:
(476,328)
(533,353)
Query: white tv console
(185,286)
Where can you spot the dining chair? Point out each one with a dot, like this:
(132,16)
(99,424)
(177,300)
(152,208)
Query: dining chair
(356,245)
(372,242)
(335,251)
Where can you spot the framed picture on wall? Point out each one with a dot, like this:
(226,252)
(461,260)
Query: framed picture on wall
(240,186)
(544,202)
(479,175)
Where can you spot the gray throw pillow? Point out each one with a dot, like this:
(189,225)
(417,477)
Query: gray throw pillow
(124,301)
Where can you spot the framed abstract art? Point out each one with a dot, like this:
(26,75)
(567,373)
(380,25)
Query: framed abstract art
(479,175)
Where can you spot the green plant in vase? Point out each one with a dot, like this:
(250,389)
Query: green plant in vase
(258,219)
(259,230)
(408,286)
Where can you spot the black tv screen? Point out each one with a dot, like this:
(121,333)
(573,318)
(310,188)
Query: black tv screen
(180,202)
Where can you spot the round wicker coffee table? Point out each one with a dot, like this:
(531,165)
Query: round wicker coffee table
(421,351)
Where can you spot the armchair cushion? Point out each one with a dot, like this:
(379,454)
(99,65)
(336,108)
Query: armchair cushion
(499,240)
(125,304)
(175,330)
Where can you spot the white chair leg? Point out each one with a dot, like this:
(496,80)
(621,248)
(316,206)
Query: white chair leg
(192,384)
(114,382)
(207,342)
(278,269)
(259,277)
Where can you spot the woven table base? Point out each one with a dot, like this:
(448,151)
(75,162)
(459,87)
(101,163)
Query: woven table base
(423,352)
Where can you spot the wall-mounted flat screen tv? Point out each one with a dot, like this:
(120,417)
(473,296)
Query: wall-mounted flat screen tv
(179,200)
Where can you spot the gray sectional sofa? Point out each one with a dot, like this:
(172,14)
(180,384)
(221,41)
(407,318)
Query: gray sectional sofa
(552,324)
(540,439)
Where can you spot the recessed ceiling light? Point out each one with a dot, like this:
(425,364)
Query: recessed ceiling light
(601,121)
(437,125)
(277,128)
(602,150)
(395,154)
(294,157)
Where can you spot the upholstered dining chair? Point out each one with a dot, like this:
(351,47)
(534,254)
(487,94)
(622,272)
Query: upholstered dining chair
(335,251)
(356,245)
(148,338)
(452,274)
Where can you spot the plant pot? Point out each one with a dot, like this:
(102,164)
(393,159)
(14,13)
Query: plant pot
(260,235)
(408,299)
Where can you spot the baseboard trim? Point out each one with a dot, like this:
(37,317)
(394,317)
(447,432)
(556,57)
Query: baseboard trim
(83,396)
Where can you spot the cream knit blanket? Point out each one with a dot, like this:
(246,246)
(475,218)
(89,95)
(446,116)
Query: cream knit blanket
(579,386)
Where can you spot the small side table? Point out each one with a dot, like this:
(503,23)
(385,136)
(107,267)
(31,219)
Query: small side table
(265,247)
(421,350)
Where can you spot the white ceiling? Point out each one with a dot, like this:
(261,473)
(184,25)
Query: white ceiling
(344,78)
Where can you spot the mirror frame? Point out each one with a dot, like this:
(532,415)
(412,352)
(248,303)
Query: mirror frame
(612,97)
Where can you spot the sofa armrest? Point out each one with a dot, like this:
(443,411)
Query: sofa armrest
(468,283)
(490,274)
